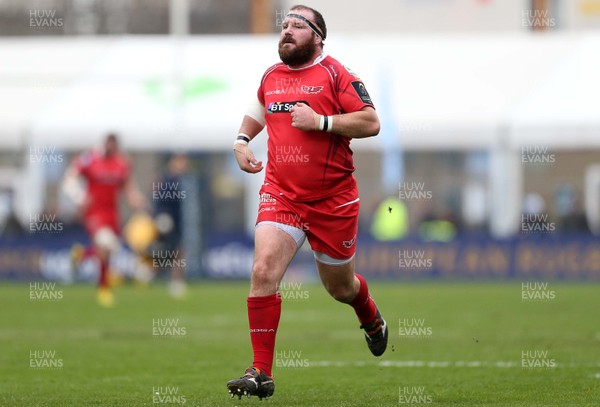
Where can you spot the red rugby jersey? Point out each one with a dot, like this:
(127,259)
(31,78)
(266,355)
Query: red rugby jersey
(105,178)
(309,165)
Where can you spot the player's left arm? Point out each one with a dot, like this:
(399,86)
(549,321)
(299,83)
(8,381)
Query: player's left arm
(360,124)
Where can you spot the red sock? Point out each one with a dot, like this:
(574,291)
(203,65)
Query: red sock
(263,318)
(103,280)
(363,304)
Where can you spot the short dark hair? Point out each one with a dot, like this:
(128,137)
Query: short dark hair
(318,18)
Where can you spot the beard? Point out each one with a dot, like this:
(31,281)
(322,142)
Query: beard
(299,55)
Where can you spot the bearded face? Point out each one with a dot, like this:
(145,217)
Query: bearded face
(293,53)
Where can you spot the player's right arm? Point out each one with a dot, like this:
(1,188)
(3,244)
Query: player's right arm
(71,185)
(252,124)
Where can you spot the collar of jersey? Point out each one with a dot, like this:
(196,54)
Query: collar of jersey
(318,59)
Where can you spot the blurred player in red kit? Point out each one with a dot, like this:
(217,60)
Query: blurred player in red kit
(106,173)
(312,106)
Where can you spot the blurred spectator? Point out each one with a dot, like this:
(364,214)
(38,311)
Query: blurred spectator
(169,220)
(569,207)
(534,218)
(435,228)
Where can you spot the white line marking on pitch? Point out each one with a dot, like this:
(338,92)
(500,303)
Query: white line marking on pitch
(415,363)
(432,364)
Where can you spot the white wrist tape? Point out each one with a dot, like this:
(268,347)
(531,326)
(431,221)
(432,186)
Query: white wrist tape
(326,123)
(243,139)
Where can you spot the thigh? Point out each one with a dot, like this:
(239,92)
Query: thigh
(336,276)
(274,249)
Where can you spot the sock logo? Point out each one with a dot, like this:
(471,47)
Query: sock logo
(258,330)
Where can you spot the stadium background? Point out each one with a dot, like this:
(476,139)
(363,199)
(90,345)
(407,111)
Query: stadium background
(489,113)
(490,135)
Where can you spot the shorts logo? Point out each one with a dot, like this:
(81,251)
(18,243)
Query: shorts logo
(349,243)
(267,199)
(282,107)
(311,90)
(361,91)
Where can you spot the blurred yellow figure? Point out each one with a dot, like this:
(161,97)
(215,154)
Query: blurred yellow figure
(390,221)
(106,297)
(140,232)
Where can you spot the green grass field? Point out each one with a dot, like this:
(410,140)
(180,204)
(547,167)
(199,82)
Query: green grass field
(469,349)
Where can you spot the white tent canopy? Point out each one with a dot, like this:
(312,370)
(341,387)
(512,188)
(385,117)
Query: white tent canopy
(563,111)
(447,92)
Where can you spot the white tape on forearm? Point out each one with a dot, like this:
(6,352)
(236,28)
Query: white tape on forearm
(74,190)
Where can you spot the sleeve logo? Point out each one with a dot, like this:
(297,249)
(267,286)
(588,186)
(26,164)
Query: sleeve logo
(361,91)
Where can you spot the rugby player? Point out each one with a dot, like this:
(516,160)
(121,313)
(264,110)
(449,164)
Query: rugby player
(107,173)
(312,106)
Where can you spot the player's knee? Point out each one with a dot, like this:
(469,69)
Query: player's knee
(342,293)
(262,275)
(106,240)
